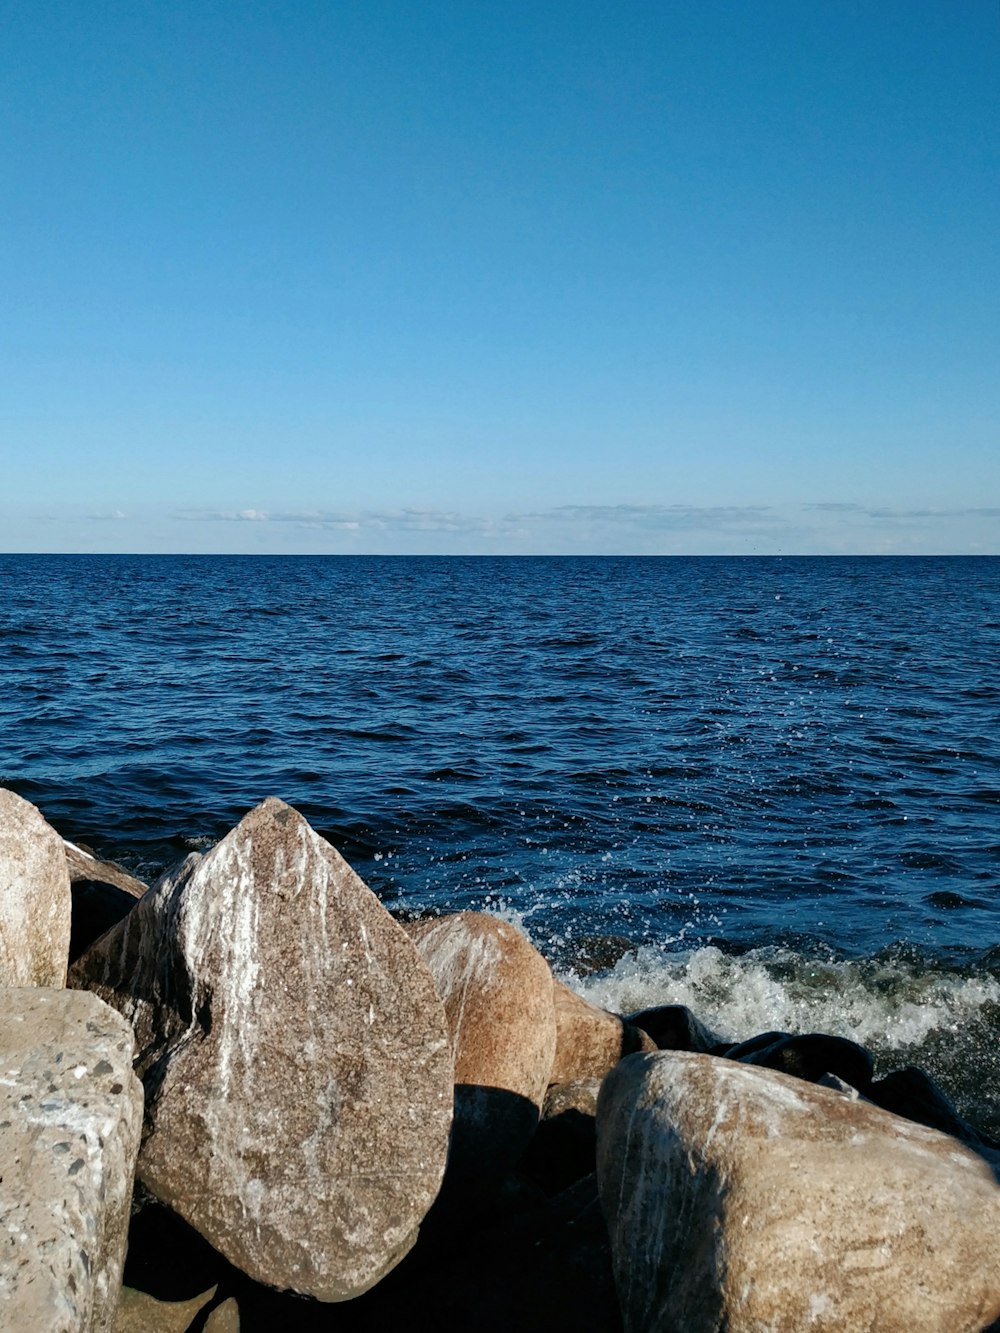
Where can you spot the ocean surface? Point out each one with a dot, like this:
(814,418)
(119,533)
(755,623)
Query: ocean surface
(768,788)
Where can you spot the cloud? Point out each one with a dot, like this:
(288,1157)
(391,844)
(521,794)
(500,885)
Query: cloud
(221,515)
(654,517)
(836,507)
(973,512)
(885,512)
(382,521)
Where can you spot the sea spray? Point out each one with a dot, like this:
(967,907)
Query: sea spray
(904,1011)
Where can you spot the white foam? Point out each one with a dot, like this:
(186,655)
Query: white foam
(887,1005)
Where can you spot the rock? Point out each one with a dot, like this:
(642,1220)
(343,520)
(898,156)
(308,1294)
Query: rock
(546,1271)
(579,1096)
(563,1149)
(911,1094)
(738,1198)
(70,1119)
(96,908)
(84,865)
(809,1056)
(138,1312)
(34,897)
(295,1056)
(497,993)
(673,1027)
(590,1040)
(225,1318)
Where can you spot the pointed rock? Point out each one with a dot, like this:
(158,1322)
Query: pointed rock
(740,1198)
(70,1119)
(295,1057)
(34,897)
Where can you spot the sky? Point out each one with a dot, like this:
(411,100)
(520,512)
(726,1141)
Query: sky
(643,276)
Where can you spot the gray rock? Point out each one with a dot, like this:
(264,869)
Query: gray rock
(70,1119)
(34,897)
(740,1198)
(295,1056)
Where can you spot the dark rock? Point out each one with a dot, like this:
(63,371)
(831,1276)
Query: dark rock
(96,908)
(673,1027)
(809,1056)
(912,1094)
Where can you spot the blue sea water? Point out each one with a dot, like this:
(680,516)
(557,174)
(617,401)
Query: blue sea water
(767,787)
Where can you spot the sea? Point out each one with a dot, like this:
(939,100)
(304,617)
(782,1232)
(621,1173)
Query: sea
(766,788)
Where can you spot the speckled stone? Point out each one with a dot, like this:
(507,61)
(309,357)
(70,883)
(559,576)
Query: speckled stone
(497,993)
(590,1040)
(34,897)
(498,997)
(295,1057)
(70,1119)
(740,1198)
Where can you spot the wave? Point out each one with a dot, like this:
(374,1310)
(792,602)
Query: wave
(906,1009)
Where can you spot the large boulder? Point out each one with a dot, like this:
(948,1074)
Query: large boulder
(34,897)
(295,1057)
(497,993)
(740,1198)
(590,1040)
(70,1119)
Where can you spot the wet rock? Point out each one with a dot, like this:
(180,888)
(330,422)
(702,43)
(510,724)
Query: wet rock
(912,1094)
(84,865)
(589,1040)
(295,1057)
(738,1198)
(34,897)
(497,994)
(673,1027)
(809,1056)
(70,1119)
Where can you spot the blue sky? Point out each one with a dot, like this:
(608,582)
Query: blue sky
(686,276)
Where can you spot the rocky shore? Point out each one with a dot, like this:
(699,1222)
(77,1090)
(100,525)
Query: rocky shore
(248,1098)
